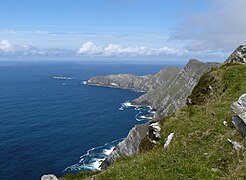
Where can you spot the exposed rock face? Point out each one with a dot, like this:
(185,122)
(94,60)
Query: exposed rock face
(129,146)
(167,98)
(238,56)
(239,118)
(138,83)
(154,132)
(49,177)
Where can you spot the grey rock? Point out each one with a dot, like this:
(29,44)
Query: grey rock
(129,146)
(138,83)
(239,108)
(236,145)
(238,56)
(172,95)
(239,117)
(154,132)
(49,177)
(169,139)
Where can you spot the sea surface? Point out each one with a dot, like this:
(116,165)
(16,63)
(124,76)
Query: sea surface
(50,125)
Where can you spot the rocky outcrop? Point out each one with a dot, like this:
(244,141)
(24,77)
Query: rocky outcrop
(238,56)
(154,132)
(129,146)
(138,83)
(167,98)
(239,117)
(49,177)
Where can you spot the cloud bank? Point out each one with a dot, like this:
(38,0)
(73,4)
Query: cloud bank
(116,50)
(8,49)
(90,49)
(223,26)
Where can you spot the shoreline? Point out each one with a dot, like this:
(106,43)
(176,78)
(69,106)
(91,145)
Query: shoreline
(111,86)
(87,163)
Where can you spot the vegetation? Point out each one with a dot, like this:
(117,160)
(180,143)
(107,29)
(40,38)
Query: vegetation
(199,149)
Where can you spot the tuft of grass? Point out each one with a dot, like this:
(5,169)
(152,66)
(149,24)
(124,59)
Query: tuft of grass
(199,149)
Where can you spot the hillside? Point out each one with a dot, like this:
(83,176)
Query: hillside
(199,149)
(139,83)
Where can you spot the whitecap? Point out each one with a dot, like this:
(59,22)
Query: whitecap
(93,158)
(84,82)
(108,151)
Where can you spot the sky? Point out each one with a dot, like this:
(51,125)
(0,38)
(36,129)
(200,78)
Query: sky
(137,30)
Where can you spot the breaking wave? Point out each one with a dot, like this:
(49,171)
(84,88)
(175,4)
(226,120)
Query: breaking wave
(145,113)
(92,160)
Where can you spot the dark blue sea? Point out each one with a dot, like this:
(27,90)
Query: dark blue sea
(59,126)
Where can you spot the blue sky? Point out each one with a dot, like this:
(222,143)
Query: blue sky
(134,29)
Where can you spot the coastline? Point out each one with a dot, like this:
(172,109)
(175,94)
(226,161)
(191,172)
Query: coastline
(111,86)
(89,162)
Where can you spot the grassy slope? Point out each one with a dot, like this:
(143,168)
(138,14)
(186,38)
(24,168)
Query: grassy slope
(199,149)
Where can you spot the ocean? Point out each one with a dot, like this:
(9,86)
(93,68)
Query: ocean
(61,126)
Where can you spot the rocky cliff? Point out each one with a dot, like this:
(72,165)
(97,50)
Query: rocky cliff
(129,146)
(202,129)
(167,98)
(138,83)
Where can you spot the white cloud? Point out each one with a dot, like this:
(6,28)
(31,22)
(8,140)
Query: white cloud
(223,26)
(89,48)
(116,50)
(8,49)
(5,46)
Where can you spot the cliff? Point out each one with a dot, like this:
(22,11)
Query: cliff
(171,96)
(138,83)
(128,147)
(204,144)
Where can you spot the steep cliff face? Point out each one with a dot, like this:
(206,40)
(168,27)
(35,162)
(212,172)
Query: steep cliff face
(138,83)
(170,96)
(129,146)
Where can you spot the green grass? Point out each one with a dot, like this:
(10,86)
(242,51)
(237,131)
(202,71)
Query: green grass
(199,149)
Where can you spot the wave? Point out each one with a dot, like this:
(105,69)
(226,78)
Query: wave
(144,114)
(93,158)
(84,82)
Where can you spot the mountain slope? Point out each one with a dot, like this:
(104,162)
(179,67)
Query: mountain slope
(169,97)
(138,83)
(199,149)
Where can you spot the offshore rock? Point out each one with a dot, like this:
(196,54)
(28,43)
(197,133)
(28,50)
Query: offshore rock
(169,97)
(138,83)
(238,56)
(239,117)
(129,146)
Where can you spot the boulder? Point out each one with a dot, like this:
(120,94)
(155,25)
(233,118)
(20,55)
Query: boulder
(239,117)
(49,177)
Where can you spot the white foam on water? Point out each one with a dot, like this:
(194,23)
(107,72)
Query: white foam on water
(108,151)
(84,82)
(93,158)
